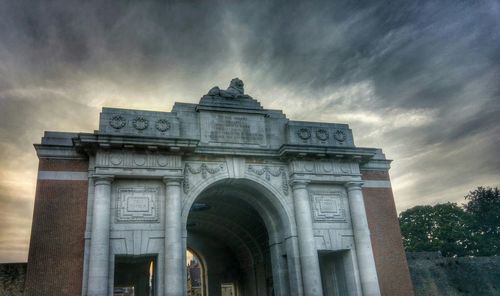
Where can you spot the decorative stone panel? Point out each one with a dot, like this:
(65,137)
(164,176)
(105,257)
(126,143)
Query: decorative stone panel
(332,239)
(324,167)
(135,159)
(198,171)
(322,134)
(328,207)
(139,123)
(275,175)
(137,205)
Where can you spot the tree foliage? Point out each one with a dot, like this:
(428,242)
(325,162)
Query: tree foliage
(484,208)
(473,229)
(441,227)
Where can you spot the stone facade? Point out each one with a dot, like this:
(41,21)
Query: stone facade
(269,205)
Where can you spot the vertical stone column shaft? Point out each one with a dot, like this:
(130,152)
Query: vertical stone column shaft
(364,252)
(184,259)
(309,261)
(174,266)
(99,243)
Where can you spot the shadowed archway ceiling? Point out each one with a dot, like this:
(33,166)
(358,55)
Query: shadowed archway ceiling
(229,218)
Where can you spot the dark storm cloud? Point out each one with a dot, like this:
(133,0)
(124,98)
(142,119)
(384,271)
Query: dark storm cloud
(145,37)
(434,57)
(420,79)
(431,54)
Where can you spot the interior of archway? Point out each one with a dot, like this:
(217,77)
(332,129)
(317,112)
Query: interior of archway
(226,230)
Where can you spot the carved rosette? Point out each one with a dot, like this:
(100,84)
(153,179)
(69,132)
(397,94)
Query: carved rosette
(266,172)
(140,123)
(204,170)
(340,135)
(162,125)
(304,133)
(117,122)
(322,134)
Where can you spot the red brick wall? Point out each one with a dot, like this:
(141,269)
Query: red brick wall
(390,259)
(55,261)
(78,165)
(376,175)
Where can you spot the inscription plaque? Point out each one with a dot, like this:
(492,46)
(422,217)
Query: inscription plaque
(328,207)
(137,205)
(233,128)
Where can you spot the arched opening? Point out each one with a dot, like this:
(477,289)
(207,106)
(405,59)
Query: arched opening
(196,274)
(231,224)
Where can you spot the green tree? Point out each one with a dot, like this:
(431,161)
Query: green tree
(483,206)
(443,227)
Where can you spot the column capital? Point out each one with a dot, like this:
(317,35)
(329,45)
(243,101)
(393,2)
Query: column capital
(173,180)
(103,179)
(354,185)
(299,183)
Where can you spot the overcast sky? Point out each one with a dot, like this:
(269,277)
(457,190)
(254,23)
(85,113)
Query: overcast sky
(420,79)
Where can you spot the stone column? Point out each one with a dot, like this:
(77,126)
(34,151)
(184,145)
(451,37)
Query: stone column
(184,259)
(309,261)
(362,240)
(99,243)
(174,266)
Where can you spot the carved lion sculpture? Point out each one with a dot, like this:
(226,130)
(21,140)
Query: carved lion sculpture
(236,87)
(234,90)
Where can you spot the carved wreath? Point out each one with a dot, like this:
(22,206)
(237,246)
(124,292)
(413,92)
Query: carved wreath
(162,125)
(267,173)
(117,122)
(140,123)
(322,134)
(203,169)
(304,133)
(340,135)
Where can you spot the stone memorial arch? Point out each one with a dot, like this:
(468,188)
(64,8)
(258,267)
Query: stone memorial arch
(270,206)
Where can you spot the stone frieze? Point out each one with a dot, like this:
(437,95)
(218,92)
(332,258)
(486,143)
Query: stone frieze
(203,169)
(267,172)
(324,167)
(134,159)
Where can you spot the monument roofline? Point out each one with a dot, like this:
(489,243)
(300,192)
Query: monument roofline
(224,122)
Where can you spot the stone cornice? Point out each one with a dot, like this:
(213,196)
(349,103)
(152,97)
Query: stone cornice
(58,152)
(296,151)
(92,142)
